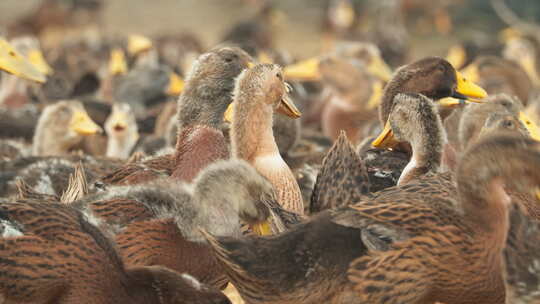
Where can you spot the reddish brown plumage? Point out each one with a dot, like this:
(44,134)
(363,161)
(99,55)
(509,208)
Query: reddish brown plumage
(197,147)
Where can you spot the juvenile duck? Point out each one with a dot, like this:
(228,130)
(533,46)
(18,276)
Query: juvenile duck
(158,223)
(259,92)
(401,246)
(200,115)
(52,253)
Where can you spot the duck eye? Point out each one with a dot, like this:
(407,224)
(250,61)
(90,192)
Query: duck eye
(278,75)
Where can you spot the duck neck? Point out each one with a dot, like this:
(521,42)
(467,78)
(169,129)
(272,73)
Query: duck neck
(11,86)
(120,146)
(251,132)
(426,156)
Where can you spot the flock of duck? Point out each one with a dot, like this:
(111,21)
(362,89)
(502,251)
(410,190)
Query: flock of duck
(404,186)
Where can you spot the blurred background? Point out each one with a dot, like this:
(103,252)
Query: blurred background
(431,26)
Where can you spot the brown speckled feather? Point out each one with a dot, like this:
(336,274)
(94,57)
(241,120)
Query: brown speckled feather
(135,173)
(198,147)
(342,179)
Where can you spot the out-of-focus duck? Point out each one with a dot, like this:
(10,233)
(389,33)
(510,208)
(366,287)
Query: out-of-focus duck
(122,132)
(158,223)
(55,254)
(200,115)
(446,242)
(259,92)
(14,90)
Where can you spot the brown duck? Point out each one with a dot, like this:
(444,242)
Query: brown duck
(418,243)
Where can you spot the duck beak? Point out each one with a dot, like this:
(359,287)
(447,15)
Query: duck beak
(117,62)
(36,58)
(456,56)
(82,124)
(530,125)
(176,85)
(250,65)
(376,95)
(287,107)
(450,102)
(307,70)
(14,63)
(119,121)
(262,228)
(386,138)
(380,69)
(468,90)
(138,44)
(228,116)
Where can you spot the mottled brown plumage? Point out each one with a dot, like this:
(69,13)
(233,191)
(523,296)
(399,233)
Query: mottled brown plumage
(422,242)
(342,178)
(52,253)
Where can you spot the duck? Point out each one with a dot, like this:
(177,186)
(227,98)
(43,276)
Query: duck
(500,75)
(201,108)
(58,255)
(521,258)
(446,240)
(13,62)
(259,91)
(523,51)
(157,223)
(122,131)
(14,91)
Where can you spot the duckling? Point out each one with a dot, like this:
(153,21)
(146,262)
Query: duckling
(446,243)
(122,131)
(258,93)
(168,215)
(57,255)
(200,115)
(521,259)
(51,136)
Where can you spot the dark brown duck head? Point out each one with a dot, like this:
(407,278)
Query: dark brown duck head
(432,77)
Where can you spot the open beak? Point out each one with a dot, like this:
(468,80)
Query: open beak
(468,90)
(262,228)
(83,124)
(380,69)
(138,44)
(117,62)
(376,95)
(228,116)
(530,125)
(287,107)
(37,59)
(119,121)
(386,138)
(14,63)
(176,85)
(307,70)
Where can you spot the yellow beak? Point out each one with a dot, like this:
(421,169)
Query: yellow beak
(251,65)
(263,57)
(14,63)
(287,107)
(530,125)
(307,70)
(453,102)
(386,138)
(468,90)
(229,113)
(138,43)
(456,56)
(380,69)
(36,58)
(262,228)
(117,62)
(83,124)
(176,85)
(376,95)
